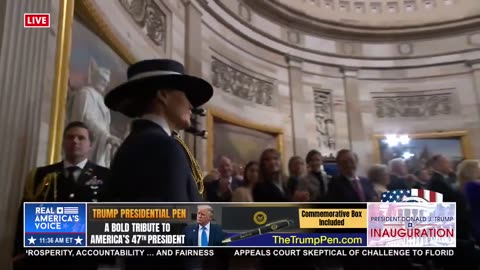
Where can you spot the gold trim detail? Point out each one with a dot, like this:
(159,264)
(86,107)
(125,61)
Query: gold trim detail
(87,12)
(213,113)
(197,173)
(60,88)
(463,135)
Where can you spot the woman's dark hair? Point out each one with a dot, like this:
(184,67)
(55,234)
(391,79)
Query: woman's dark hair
(311,154)
(246,181)
(291,161)
(263,176)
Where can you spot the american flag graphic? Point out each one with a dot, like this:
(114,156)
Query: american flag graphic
(412,195)
(70,210)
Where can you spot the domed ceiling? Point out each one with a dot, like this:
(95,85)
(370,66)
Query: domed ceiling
(373,16)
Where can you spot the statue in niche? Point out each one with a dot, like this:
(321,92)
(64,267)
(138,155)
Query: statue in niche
(330,128)
(324,123)
(86,105)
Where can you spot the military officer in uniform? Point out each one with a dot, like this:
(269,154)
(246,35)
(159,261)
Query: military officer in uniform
(75,179)
(153,164)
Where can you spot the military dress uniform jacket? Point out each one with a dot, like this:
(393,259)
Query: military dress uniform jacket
(152,166)
(51,184)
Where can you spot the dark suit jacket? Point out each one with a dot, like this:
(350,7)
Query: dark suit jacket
(212,190)
(91,185)
(439,184)
(151,166)
(215,237)
(340,189)
(397,182)
(269,192)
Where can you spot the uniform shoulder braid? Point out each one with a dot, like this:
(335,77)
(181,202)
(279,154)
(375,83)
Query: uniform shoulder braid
(196,170)
(40,182)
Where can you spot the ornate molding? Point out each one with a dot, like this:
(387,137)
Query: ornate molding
(349,71)
(241,84)
(149,17)
(324,122)
(293,36)
(474,39)
(405,48)
(414,105)
(244,12)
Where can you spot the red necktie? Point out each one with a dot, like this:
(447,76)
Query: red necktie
(358,189)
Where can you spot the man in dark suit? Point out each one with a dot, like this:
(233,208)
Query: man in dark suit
(398,174)
(75,179)
(441,182)
(153,164)
(347,186)
(204,233)
(220,190)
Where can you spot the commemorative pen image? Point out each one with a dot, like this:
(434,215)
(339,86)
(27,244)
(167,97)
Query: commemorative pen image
(271,227)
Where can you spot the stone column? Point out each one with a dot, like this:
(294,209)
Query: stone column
(475,67)
(356,129)
(23,58)
(297,106)
(193,66)
(474,131)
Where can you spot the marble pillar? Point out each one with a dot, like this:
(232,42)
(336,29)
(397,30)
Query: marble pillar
(297,105)
(474,130)
(475,67)
(23,58)
(356,128)
(193,66)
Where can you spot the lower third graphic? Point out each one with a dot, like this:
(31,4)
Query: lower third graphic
(54,225)
(411,225)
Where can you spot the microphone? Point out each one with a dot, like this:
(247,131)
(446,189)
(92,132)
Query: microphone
(271,227)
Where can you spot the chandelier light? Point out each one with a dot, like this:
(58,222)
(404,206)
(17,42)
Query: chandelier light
(394,140)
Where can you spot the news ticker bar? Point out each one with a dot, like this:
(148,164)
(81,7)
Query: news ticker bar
(237,225)
(243,252)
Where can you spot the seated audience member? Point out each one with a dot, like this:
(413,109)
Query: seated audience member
(441,182)
(347,186)
(468,173)
(296,169)
(398,174)
(250,179)
(74,179)
(221,189)
(316,181)
(272,182)
(378,176)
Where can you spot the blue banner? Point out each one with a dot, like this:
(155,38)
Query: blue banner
(303,239)
(55,224)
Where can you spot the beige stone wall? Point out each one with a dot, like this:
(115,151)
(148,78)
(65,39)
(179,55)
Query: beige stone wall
(465,109)
(346,71)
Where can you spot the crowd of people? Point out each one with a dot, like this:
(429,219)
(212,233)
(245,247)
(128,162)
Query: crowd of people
(153,164)
(307,181)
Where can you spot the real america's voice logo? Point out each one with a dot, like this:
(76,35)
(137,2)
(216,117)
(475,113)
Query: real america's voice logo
(36,20)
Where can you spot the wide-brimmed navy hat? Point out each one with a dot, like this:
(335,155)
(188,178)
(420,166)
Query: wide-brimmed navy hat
(147,76)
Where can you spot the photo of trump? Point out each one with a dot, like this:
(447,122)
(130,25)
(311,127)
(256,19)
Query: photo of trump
(203,233)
